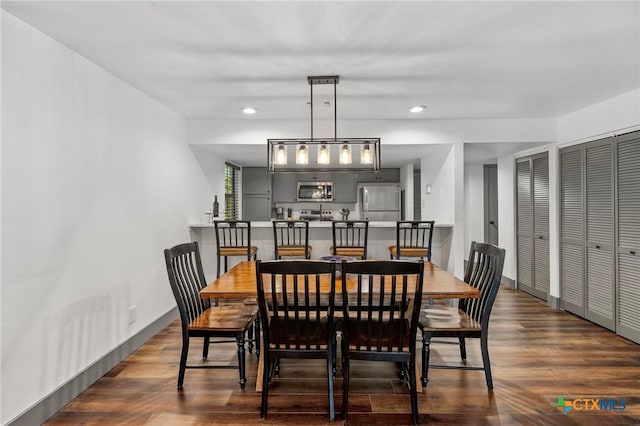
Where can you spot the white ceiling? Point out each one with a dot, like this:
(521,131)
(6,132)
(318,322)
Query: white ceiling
(208,59)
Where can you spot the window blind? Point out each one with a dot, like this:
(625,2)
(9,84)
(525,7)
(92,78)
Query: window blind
(231,191)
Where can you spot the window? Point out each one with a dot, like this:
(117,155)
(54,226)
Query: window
(231,191)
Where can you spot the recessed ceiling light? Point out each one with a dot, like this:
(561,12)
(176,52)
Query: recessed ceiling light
(417,108)
(249,110)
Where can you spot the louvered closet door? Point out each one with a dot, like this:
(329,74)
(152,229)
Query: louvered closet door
(571,230)
(628,188)
(600,266)
(524,225)
(541,225)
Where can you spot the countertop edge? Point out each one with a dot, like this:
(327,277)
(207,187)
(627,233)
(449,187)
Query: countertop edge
(318,224)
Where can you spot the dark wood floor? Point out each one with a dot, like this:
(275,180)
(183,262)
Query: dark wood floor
(538,355)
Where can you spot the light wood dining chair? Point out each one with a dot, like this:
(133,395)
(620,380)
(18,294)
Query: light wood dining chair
(471,318)
(350,238)
(297,323)
(291,238)
(198,318)
(233,238)
(413,239)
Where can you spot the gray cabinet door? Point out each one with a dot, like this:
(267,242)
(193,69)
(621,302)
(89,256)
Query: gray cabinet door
(344,187)
(256,207)
(256,180)
(388,175)
(284,187)
(600,232)
(628,214)
(572,230)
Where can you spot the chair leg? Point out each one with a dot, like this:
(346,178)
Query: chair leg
(218,267)
(485,360)
(330,361)
(426,341)
(205,348)
(463,349)
(250,339)
(345,384)
(183,360)
(411,379)
(256,333)
(226,263)
(241,359)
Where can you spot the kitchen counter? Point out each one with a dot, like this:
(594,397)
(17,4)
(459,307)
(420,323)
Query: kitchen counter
(381,236)
(319,224)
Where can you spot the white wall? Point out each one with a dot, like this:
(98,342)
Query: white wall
(473,203)
(615,115)
(506,214)
(391,132)
(97,179)
(407,185)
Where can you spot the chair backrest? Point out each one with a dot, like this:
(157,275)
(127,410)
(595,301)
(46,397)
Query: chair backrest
(350,234)
(484,272)
(291,233)
(384,308)
(233,234)
(296,302)
(186,278)
(414,234)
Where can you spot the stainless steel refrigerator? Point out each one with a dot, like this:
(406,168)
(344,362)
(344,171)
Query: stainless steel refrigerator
(379,202)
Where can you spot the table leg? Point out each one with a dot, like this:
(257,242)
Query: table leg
(417,381)
(259,383)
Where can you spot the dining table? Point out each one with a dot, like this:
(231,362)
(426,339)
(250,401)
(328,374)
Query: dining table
(240,283)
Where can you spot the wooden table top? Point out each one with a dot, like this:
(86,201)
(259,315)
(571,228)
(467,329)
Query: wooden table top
(240,282)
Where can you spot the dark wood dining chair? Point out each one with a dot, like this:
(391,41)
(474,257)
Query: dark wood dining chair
(413,239)
(291,238)
(198,318)
(233,238)
(471,318)
(380,318)
(350,238)
(297,316)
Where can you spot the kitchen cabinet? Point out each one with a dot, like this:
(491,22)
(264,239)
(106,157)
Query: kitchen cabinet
(314,176)
(256,180)
(344,188)
(388,175)
(256,207)
(256,193)
(284,187)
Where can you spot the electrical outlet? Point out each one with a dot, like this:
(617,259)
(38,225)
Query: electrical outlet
(132,314)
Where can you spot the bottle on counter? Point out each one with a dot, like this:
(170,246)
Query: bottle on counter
(216,206)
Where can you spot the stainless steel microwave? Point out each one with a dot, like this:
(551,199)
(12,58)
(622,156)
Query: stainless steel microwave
(315,191)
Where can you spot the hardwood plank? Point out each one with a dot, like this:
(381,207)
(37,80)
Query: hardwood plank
(538,354)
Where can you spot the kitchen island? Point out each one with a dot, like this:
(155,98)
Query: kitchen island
(381,236)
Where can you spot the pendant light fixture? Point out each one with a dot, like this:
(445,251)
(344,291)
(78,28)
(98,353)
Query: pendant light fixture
(302,154)
(327,149)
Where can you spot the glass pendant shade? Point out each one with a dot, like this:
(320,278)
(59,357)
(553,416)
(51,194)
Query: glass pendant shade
(366,156)
(323,154)
(345,154)
(280,154)
(302,154)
